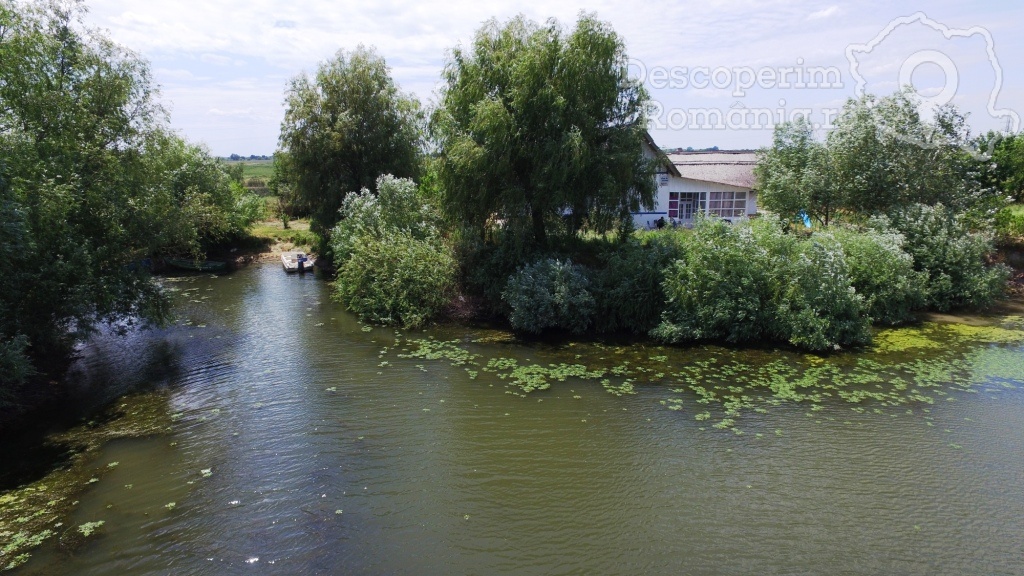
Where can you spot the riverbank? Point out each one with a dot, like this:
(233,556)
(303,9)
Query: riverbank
(267,240)
(1013,256)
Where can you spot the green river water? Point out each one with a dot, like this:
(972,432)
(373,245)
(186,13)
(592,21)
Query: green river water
(274,434)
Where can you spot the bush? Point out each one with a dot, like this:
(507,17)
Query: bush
(752,282)
(953,257)
(819,309)
(1010,224)
(550,293)
(628,288)
(394,265)
(723,287)
(396,279)
(249,209)
(487,264)
(398,206)
(883,274)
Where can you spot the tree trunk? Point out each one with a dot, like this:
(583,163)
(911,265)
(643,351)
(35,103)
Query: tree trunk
(539,233)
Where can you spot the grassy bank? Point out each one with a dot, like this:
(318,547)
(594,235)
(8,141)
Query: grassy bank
(296,237)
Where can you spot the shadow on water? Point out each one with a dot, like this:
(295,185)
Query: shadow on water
(106,369)
(29,457)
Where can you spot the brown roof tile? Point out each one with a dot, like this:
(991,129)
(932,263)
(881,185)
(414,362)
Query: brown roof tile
(732,167)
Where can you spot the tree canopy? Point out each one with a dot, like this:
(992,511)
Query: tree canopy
(880,156)
(1007,157)
(91,182)
(540,126)
(343,128)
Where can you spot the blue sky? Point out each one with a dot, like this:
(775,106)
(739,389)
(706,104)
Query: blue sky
(720,72)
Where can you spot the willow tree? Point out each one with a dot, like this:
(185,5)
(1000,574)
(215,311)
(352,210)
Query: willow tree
(881,156)
(91,182)
(541,126)
(343,128)
(796,176)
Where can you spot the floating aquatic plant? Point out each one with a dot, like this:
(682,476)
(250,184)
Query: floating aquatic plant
(906,368)
(89,528)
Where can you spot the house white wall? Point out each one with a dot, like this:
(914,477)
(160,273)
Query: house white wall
(667,183)
(647,217)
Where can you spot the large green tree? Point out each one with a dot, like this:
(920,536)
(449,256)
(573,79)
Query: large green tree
(1007,162)
(539,126)
(75,111)
(796,176)
(91,183)
(888,156)
(881,156)
(343,128)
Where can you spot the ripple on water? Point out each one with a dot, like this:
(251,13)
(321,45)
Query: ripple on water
(437,470)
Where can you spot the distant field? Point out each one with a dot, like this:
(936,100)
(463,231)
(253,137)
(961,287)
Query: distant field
(254,168)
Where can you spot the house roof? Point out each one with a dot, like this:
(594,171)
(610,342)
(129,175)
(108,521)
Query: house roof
(732,167)
(665,161)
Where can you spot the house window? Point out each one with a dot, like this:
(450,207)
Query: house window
(673,204)
(727,204)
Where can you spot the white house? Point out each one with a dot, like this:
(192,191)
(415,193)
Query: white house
(719,183)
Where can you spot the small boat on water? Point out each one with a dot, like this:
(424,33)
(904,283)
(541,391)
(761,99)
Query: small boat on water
(197,265)
(297,262)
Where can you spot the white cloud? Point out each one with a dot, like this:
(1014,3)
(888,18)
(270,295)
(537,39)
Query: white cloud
(178,75)
(824,13)
(206,53)
(242,113)
(216,59)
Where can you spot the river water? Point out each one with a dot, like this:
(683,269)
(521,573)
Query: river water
(302,442)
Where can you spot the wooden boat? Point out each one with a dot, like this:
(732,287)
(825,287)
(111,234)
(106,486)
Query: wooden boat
(197,265)
(297,262)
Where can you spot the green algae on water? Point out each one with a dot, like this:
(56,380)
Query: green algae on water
(905,368)
(36,512)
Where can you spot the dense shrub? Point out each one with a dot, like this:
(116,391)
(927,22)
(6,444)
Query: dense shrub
(396,279)
(819,308)
(883,274)
(487,266)
(249,209)
(752,282)
(628,287)
(953,257)
(550,293)
(398,205)
(394,266)
(724,286)
(1010,224)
